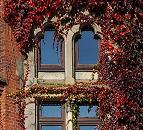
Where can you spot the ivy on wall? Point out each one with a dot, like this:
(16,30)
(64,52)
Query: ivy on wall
(121,51)
(75,94)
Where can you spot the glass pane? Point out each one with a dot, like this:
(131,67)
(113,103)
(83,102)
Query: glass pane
(49,54)
(50,110)
(88,128)
(87,111)
(51,127)
(87,48)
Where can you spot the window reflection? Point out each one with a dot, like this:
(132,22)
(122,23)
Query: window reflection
(88,111)
(50,110)
(87,48)
(49,53)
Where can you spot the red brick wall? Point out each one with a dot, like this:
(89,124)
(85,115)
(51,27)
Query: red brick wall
(8,55)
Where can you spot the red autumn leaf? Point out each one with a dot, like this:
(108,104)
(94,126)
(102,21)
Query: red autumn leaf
(118,114)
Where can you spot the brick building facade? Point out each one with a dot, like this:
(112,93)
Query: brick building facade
(9,81)
(68,68)
(12,72)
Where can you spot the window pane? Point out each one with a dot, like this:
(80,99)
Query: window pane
(87,111)
(51,110)
(87,48)
(88,128)
(51,127)
(49,54)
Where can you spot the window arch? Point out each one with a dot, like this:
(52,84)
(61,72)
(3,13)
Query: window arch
(50,56)
(86,49)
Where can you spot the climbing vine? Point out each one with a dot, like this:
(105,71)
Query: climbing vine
(75,94)
(75,114)
(121,50)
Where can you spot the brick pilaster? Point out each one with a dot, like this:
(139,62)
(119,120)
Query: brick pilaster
(8,54)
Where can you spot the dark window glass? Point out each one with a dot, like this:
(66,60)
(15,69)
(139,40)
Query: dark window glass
(51,110)
(88,128)
(49,53)
(87,111)
(87,48)
(51,128)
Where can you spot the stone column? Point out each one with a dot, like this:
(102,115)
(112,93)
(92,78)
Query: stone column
(69,55)
(68,123)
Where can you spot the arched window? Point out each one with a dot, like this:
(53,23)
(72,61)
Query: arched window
(86,49)
(51,56)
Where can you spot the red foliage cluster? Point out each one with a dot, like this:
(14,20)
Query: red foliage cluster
(122,64)
(78,90)
(21,109)
(121,52)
